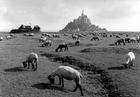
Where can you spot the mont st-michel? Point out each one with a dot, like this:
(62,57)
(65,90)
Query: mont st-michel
(82,23)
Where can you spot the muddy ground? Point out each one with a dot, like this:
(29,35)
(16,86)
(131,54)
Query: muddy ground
(99,62)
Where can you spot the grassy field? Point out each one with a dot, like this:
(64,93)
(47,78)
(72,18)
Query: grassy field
(99,63)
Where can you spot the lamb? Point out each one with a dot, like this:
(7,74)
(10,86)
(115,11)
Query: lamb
(130,57)
(66,72)
(32,59)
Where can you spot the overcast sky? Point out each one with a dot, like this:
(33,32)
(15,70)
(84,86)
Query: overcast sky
(53,15)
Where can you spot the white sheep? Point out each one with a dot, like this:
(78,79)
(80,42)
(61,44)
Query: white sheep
(43,39)
(1,38)
(32,59)
(130,57)
(66,72)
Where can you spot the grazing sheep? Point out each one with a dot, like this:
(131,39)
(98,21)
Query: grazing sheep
(77,42)
(130,57)
(65,34)
(26,34)
(56,36)
(31,34)
(47,35)
(95,38)
(133,39)
(12,35)
(32,59)
(1,38)
(117,36)
(75,37)
(61,46)
(138,39)
(43,39)
(8,37)
(127,40)
(47,43)
(80,35)
(66,72)
(119,41)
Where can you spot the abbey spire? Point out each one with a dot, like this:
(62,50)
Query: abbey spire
(82,13)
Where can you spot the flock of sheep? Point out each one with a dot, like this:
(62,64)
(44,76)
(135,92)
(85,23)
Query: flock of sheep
(63,72)
(66,72)
(7,37)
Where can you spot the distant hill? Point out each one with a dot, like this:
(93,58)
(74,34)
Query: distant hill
(82,23)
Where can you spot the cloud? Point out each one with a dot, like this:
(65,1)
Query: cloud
(117,9)
(3,22)
(55,14)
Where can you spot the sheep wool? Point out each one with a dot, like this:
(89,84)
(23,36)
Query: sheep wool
(130,57)
(67,72)
(32,56)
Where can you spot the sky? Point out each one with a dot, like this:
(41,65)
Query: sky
(53,15)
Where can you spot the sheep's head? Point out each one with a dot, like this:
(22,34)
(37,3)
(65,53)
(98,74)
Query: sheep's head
(51,79)
(24,64)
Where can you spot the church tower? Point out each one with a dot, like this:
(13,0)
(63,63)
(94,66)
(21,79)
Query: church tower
(82,13)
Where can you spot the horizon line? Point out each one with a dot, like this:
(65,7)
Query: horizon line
(79,31)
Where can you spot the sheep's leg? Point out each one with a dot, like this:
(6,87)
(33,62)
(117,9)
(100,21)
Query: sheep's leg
(28,64)
(78,85)
(80,89)
(62,82)
(130,64)
(123,43)
(61,49)
(55,50)
(36,64)
(33,63)
(24,64)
